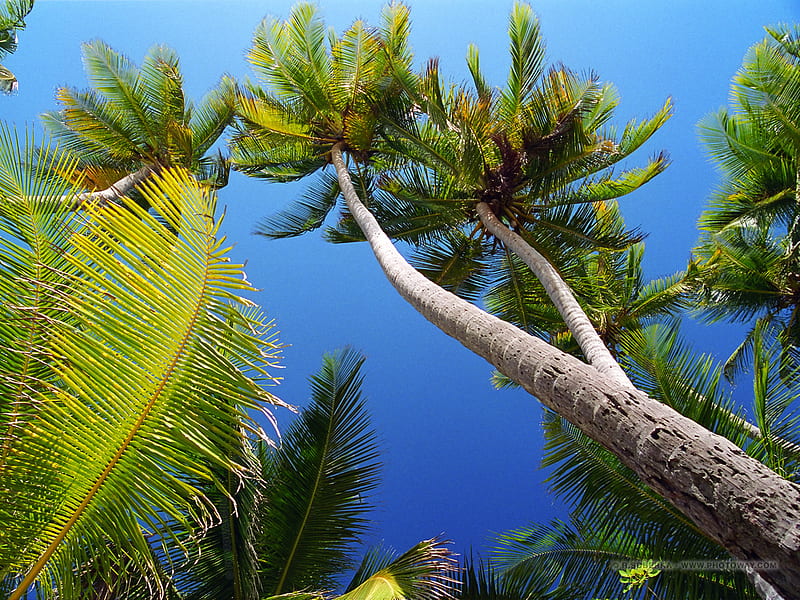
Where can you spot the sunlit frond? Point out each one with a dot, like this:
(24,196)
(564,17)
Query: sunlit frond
(527,56)
(131,431)
(421,572)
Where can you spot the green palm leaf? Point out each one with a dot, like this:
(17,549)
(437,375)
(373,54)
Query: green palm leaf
(775,394)
(139,116)
(224,564)
(481,581)
(422,573)
(153,345)
(117,79)
(282,53)
(33,222)
(579,560)
(456,263)
(527,56)
(91,127)
(12,19)
(318,482)
(307,213)
(209,119)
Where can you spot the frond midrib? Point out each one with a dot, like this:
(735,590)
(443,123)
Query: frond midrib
(306,516)
(157,394)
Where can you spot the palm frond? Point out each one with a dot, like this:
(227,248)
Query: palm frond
(594,482)
(153,345)
(610,188)
(509,297)
(578,560)
(421,572)
(224,564)
(665,368)
(117,79)
(483,89)
(527,56)
(89,126)
(12,19)
(356,68)
(34,224)
(283,51)
(319,483)
(306,214)
(456,263)
(775,395)
(210,118)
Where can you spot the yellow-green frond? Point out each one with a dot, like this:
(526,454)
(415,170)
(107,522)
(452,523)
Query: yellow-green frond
(134,428)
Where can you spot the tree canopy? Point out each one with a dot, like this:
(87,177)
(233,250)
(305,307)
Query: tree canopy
(137,455)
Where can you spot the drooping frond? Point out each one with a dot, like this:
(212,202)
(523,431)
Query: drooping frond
(131,430)
(209,119)
(456,263)
(775,395)
(579,560)
(224,564)
(306,214)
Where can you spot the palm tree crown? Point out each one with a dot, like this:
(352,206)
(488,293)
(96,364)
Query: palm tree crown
(136,117)
(750,246)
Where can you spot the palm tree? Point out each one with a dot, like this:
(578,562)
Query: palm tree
(748,254)
(135,121)
(324,104)
(610,286)
(118,337)
(522,166)
(12,19)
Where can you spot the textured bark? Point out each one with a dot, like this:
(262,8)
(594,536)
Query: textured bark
(117,190)
(595,351)
(735,500)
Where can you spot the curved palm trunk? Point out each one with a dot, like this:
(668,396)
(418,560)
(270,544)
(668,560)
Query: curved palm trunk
(560,295)
(116,190)
(575,318)
(735,500)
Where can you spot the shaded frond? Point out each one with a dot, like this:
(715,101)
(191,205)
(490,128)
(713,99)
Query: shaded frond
(318,483)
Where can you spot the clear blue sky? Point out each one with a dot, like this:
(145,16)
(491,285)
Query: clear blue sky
(460,458)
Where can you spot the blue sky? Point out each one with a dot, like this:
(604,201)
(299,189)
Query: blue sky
(461,459)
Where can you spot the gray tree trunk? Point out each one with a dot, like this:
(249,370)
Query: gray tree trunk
(576,320)
(117,190)
(732,498)
(595,351)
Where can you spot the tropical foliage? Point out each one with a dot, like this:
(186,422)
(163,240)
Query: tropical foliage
(748,255)
(139,117)
(171,432)
(291,530)
(397,161)
(322,91)
(12,19)
(133,459)
(120,335)
(617,522)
